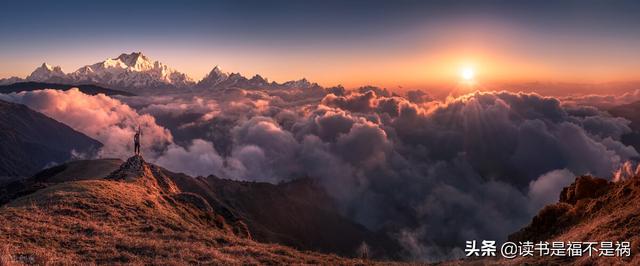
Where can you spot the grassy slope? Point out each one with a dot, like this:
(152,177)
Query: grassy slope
(591,209)
(603,211)
(106,221)
(266,209)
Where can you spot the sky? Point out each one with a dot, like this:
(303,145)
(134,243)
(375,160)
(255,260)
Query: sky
(394,44)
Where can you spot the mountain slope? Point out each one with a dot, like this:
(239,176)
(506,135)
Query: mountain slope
(86,89)
(267,210)
(137,215)
(590,209)
(29,141)
(70,171)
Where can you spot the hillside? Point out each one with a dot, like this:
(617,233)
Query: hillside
(136,215)
(30,141)
(267,209)
(590,209)
(71,171)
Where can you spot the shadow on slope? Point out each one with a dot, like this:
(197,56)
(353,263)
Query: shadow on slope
(590,209)
(298,214)
(136,215)
(30,141)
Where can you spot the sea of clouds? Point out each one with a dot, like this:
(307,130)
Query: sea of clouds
(431,173)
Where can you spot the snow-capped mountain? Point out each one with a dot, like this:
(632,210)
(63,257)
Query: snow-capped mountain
(299,84)
(213,79)
(219,79)
(47,73)
(133,70)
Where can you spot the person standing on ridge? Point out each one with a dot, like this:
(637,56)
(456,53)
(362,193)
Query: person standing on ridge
(136,141)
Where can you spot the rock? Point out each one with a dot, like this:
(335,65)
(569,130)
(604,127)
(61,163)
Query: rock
(583,188)
(135,169)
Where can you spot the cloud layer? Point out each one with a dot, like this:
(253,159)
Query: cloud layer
(431,173)
(100,117)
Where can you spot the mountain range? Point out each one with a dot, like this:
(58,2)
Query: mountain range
(136,71)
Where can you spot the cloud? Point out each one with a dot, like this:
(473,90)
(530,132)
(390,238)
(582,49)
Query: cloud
(431,173)
(198,159)
(174,111)
(418,96)
(100,117)
(546,189)
(602,101)
(364,145)
(357,102)
(434,173)
(265,150)
(477,154)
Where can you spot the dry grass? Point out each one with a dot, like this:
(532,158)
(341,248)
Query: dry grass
(609,213)
(110,222)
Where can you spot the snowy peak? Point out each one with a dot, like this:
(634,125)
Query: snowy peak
(45,67)
(257,79)
(218,79)
(51,69)
(134,70)
(214,78)
(133,62)
(132,58)
(136,61)
(300,84)
(47,72)
(216,72)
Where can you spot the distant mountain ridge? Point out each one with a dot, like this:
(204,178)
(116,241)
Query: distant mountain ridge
(219,79)
(135,71)
(47,73)
(87,89)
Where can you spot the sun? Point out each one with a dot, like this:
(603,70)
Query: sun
(467,73)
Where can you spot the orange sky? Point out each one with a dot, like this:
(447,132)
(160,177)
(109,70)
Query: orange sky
(420,56)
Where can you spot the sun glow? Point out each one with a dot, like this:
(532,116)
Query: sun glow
(467,73)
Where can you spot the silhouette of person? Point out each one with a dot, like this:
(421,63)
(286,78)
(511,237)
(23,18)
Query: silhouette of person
(136,141)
